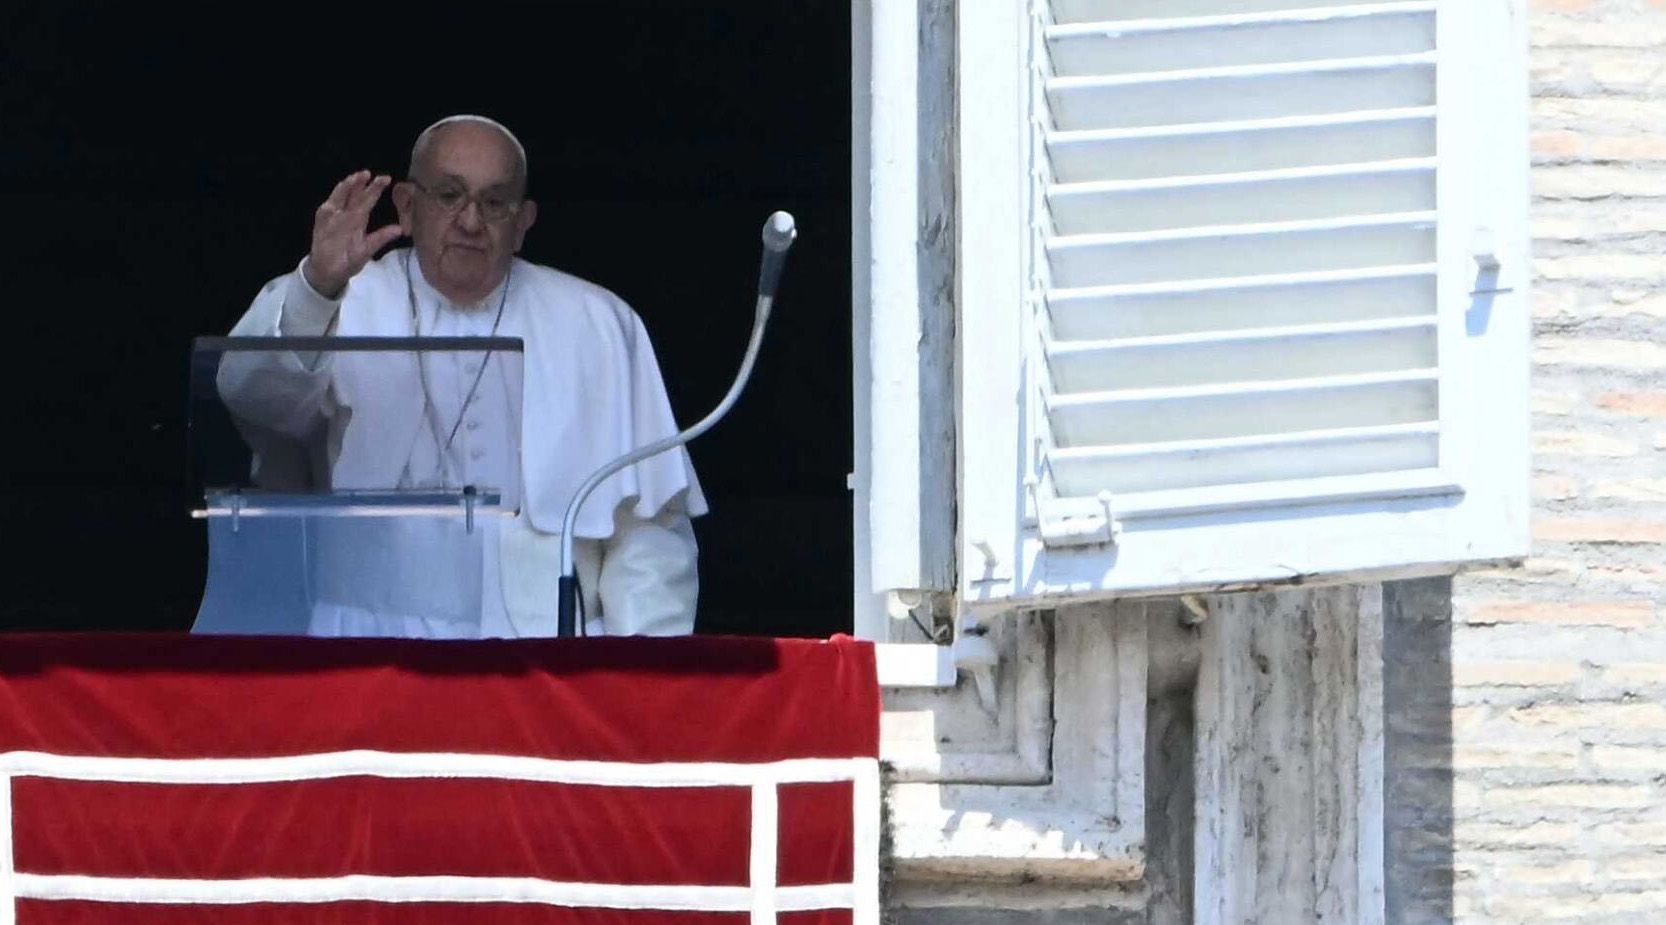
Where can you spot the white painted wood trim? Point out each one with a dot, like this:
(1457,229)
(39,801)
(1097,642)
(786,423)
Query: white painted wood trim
(1257,229)
(893,505)
(1244,126)
(1268,281)
(1208,182)
(1336,489)
(1297,439)
(1317,12)
(1425,59)
(1064,348)
(903,471)
(869,619)
(1212,390)
(994,88)
(1484,340)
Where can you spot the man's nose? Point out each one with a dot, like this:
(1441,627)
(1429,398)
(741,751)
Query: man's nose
(469,218)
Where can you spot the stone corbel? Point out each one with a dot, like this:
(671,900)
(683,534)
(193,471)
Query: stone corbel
(1047,784)
(975,654)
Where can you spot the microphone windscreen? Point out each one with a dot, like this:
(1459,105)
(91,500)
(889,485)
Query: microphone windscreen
(779,232)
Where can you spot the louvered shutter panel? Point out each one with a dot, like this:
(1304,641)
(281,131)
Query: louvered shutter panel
(1247,292)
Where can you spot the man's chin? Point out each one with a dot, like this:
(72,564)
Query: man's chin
(466,269)
(463,257)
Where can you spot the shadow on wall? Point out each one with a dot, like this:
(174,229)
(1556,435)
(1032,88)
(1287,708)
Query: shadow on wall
(1417,690)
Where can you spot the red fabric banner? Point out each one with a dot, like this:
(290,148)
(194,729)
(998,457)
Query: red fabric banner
(166,779)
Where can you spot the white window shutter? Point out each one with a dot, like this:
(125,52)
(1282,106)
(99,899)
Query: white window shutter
(1270,263)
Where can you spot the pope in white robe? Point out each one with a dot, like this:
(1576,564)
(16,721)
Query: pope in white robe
(588,390)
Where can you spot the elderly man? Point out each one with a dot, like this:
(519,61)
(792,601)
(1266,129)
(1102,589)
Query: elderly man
(591,391)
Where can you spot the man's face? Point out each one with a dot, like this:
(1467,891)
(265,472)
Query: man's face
(464,212)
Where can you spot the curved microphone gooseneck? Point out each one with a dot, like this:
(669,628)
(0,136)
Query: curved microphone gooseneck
(779,233)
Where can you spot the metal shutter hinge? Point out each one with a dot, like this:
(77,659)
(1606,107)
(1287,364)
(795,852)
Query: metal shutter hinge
(1079,527)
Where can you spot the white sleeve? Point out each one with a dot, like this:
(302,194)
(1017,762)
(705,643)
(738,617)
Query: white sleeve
(305,313)
(282,391)
(288,305)
(649,582)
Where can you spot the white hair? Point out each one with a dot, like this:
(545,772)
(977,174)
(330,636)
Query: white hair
(425,139)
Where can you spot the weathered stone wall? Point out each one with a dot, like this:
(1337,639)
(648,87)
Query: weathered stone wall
(1558,725)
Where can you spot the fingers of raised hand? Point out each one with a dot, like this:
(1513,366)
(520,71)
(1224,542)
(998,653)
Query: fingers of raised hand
(347,210)
(342,193)
(332,223)
(365,196)
(382,237)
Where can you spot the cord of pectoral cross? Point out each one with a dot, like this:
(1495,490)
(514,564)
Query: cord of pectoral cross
(429,410)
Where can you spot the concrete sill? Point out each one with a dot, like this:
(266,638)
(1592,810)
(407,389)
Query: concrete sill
(914,664)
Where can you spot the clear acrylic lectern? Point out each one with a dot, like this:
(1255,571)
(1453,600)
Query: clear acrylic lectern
(352,482)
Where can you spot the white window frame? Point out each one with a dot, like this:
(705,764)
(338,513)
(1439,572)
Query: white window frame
(1473,512)
(895,549)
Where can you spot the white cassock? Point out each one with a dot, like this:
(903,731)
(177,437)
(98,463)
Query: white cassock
(590,391)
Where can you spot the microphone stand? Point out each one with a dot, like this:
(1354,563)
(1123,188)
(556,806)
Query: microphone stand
(779,234)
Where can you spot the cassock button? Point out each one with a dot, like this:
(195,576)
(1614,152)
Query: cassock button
(474,425)
(477,454)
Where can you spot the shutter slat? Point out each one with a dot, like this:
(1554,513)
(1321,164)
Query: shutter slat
(1162,45)
(1244,250)
(1239,93)
(1404,483)
(1075,11)
(1243,409)
(1223,147)
(1272,195)
(1261,458)
(1243,356)
(1231,14)
(1152,310)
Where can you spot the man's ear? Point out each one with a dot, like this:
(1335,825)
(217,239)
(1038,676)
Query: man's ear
(524,217)
(404,202)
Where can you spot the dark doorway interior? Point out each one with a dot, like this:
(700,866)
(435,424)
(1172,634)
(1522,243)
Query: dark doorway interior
(154,173)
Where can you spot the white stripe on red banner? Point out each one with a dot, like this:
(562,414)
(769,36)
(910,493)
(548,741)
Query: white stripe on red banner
(766,814)
(865,797)
(426,764)
(364,888)
(8,908)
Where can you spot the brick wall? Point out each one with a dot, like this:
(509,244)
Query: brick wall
(1559,668)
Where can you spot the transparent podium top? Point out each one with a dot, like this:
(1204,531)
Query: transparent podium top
(354,426)
(354,486)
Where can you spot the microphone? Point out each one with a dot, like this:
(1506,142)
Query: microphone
(779,234)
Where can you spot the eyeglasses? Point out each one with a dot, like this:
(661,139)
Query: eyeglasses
(494,206)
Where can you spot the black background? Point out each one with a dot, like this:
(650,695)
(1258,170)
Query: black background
(157,168)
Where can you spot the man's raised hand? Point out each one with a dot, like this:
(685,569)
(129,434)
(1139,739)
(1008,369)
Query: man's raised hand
(341,246)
